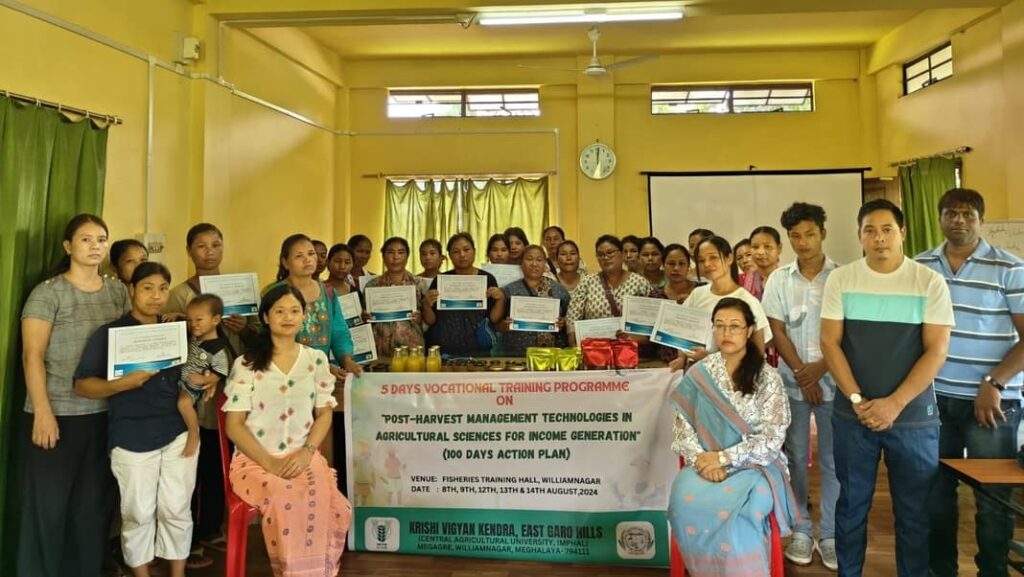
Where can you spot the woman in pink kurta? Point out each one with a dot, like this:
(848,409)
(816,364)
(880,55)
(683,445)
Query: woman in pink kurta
(279,404)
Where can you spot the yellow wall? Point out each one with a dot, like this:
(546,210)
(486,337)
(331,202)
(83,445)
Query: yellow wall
(261,175)
(47,62)
(268,175)
(255,172)
(616,111)
(971,108)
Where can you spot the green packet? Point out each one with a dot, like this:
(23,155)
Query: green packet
(569,359)
(541,358)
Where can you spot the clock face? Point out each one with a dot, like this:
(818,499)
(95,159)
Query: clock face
(597,161)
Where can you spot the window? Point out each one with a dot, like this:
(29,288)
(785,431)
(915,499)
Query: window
(699,99)
(927,70)
(457,103)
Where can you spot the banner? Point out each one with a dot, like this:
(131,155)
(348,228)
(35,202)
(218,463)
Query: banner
(571,467)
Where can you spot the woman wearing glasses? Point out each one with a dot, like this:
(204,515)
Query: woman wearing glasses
(731,422)
(602,295)
(716,265)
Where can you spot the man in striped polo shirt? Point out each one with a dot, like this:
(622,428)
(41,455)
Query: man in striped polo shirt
(885,325)
(979,387)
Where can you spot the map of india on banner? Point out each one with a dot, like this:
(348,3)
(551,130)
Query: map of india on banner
(567,467)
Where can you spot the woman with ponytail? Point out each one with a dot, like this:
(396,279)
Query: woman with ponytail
(717,265)
(732,419)
(277,467)
(324,327)
(67,490)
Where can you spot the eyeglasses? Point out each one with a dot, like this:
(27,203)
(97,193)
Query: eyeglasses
(729,329)
(608,254)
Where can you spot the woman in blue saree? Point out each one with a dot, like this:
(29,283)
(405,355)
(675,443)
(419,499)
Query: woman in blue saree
(731,422)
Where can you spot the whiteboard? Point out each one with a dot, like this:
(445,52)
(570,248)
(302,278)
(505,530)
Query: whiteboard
(1006,234)
(733,204)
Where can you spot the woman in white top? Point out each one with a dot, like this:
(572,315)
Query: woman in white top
(716,265)
(279,404)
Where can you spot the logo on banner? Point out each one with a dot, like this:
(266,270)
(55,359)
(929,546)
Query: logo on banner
(634,540)
(381,534)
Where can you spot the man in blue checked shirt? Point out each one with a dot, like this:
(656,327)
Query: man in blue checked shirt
(979,387)
(792,302)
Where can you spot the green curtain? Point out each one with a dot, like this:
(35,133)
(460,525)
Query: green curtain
(496,205)
(420,210)
(922,184)
(50,170)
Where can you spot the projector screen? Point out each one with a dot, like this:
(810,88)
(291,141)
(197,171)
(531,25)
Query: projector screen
(733,204)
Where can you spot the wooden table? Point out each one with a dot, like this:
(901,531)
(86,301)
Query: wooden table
(982,474)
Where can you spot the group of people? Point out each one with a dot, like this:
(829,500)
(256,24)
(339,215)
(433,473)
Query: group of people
(902,359)
(857,346)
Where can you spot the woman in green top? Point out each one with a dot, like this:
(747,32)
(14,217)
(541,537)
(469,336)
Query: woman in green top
(324,328)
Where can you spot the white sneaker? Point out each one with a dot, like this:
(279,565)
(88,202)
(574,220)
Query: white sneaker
(801,549)
(827,550)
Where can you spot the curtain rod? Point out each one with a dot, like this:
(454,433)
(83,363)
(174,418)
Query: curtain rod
(456,176)
(954,152)
(62,107)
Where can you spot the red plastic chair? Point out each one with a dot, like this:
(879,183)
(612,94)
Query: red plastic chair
(240,513)
(677,568)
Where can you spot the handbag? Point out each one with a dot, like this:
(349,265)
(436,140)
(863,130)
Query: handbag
(485,335)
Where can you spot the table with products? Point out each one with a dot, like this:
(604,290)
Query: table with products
(487,459)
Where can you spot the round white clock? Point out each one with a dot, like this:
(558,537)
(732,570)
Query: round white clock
(597,160)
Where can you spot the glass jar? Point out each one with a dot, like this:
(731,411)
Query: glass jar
(433,363)
(400,360)
(415,364)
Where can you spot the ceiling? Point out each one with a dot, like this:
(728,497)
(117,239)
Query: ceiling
(374,29)
(696,33)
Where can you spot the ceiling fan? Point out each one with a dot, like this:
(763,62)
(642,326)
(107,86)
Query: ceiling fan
(595,68)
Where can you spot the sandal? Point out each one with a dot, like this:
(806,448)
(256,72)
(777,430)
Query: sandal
(218,543)
(196,560)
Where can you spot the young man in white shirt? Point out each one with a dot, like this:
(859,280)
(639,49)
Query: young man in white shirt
(792,301)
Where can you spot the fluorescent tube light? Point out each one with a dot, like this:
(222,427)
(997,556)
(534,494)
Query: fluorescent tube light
(577,16)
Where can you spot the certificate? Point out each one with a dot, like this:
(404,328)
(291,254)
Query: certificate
(462,292)
(146,348)
(605,328)
(365,280)
(240,292)
(640,314)
(387,304)
(680,327)
(351,308)
(364,348)
(535,314)
(505,274)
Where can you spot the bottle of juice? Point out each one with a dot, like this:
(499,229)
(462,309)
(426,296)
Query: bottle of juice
(433,363)
(400,360)
(416,361)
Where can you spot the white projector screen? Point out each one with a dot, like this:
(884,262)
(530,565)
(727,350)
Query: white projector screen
(733,204)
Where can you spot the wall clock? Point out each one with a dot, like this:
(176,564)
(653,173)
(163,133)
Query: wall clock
(597,160)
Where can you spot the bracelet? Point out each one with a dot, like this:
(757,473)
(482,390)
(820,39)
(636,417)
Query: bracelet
(309,448)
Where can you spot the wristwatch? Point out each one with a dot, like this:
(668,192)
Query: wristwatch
(722,459)
(999,386)
(309,448)
(856,399)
